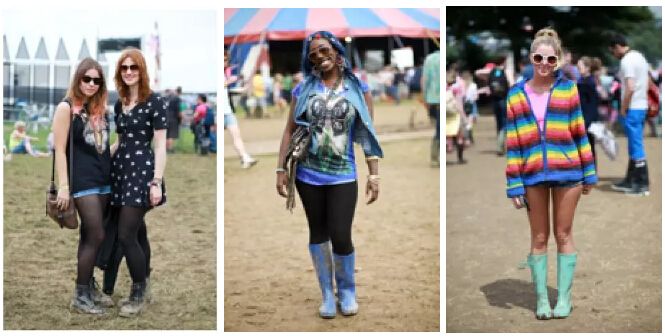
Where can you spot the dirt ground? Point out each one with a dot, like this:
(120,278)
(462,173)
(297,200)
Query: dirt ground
(269,281)
(617,286)
(40,258)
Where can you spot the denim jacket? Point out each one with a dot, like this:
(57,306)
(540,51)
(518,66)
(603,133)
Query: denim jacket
(364,133)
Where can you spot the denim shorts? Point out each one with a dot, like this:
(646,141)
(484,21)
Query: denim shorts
(93,191)
(230,120)
(558,184)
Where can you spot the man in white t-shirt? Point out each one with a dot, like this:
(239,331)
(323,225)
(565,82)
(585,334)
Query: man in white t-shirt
(634,74)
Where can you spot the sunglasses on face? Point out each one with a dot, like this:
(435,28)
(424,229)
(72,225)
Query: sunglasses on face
(132,67)
(550,60)
(89,80)
(324,51)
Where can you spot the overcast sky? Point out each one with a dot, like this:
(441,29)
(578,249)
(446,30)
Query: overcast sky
(188,38)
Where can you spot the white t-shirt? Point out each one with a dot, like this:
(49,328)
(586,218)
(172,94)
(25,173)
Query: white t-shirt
(635,66)
(471,94)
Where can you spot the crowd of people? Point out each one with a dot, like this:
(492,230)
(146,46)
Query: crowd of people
(254,95)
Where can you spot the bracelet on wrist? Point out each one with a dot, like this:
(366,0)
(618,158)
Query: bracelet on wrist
(280,170)
(373,178)
(372,158)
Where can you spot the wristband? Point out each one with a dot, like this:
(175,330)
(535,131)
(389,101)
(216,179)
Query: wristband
(280,170)
(370,158)
(373,178)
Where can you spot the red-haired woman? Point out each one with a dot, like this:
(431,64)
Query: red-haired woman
(137,170)
(84,110)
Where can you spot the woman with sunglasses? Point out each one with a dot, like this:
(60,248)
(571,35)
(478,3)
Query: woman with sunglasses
(548,153)
(137,170)
(337,109)
(84,111)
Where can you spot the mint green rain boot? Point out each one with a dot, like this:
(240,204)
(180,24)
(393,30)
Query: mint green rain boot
(538,265)
(565,269)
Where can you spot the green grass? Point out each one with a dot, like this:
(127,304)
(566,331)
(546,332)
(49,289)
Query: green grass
(40,258)
(184,144)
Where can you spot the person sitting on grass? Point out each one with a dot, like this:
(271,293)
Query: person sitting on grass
(19,141)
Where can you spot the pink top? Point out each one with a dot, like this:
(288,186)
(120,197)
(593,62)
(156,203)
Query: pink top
(538,104)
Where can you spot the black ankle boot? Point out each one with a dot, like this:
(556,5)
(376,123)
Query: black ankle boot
(136,302)
(83,302)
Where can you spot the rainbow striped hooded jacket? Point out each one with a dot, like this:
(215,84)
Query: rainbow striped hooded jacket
(560,152)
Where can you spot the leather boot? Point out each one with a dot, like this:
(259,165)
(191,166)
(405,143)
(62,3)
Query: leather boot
(83,303)
(136,302)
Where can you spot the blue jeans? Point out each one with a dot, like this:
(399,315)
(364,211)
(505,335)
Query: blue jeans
(633,125)
(20,148)
(93,191)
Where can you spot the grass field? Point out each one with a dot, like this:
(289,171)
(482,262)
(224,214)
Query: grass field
(184,145)
(40,258)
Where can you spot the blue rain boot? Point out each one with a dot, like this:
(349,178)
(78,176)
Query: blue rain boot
(538,265)
(322,260)
(346,285)
(565,269)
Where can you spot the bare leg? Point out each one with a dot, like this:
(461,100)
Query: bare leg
(237,141)
(539,201)
(565,203)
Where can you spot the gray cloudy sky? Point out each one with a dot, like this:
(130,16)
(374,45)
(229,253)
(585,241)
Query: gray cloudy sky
(188,38)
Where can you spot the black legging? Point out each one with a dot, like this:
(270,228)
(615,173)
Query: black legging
(329,210)
(111,272)
(91,209)
(129,223)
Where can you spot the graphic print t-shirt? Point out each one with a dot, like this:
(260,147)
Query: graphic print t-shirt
(332,118)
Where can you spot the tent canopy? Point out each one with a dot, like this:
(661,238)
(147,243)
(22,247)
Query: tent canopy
(281,24)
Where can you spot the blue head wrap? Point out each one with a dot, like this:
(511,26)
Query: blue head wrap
(307,67)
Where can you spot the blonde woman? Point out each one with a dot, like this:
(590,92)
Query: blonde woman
(548,156)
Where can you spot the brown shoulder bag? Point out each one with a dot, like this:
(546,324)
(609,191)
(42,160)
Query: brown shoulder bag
(67,218)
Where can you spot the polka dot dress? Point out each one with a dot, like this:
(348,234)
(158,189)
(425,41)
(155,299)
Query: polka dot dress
(133,164)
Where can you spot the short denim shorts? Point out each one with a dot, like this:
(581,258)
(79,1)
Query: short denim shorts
(93,191)
(558,184)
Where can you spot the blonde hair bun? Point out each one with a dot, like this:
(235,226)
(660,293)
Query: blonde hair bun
(549,32)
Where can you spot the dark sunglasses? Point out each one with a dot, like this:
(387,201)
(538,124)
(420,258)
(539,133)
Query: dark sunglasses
(88,80)
(132,67)
(324,51)
(538,59)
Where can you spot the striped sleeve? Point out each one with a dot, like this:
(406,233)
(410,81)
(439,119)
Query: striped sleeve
(578,132)
(515,186)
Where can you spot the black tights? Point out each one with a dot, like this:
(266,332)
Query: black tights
(111,272)
(91,210)
(329,211)
(130,220)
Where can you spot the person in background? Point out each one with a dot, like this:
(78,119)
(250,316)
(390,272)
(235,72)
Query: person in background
(587,86)
(19,141)
(432,97)
(258,91)
(470,104)
(634,85)
(278,98)
(174,119)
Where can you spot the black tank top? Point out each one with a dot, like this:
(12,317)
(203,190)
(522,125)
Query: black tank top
(90,168)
